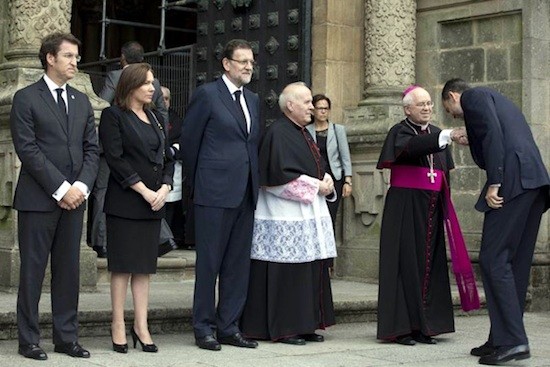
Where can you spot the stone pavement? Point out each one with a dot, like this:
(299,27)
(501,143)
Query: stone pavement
(346,345)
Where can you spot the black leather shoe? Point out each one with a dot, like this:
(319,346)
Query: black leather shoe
(208,342)
(405,340)
(72,349)
(101,251)
(313,337)
(166,247)
(424,339)
(237,340)
(483,350)
(505,354)
(294,340)
(32,351)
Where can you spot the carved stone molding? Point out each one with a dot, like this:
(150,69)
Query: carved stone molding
(390,45)
(30,21)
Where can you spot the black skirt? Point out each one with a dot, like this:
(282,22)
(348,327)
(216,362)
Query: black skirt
(287,300)
(132,245)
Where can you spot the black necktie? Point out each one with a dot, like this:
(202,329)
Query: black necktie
(61,103)
(240,107)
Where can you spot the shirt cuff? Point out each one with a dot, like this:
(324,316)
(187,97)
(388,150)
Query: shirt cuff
(61,191)
(445,138)
(82,187)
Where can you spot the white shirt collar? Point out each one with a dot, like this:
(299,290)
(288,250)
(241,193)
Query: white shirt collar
(52,85)
(232,87)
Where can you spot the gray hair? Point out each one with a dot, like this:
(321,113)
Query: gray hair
(407,100)
(289,94)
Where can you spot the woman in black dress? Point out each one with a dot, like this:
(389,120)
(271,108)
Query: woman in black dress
(141,176)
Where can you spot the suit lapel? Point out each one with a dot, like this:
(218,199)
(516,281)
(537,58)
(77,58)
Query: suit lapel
(48,99)
(229,102)
(71,102)
(331,134)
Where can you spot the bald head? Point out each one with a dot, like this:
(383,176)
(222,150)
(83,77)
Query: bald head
(165,96)
(418,106)
(296,103)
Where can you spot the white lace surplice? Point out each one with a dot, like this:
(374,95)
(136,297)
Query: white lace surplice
(292,224)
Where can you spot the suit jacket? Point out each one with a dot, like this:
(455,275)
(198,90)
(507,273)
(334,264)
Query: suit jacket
(502,144)
(51,149)
(109,88)
(339,158)
(219,154)
(130,160)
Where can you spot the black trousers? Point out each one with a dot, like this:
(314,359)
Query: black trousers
(507,246)
(42,234)
(223,240)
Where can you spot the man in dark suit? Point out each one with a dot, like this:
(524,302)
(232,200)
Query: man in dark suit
(219,141)
(130,53)
(53,130)
(513,199)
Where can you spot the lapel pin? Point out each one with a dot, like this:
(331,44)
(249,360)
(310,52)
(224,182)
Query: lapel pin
(72,96)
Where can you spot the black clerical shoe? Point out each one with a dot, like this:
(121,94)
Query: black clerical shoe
(483,350)
(101,251)
(32,351)
(72,349)
(294,340)
(405,340)
(312,337)
(504,354)
(208,342)
(424,339)
(237,340)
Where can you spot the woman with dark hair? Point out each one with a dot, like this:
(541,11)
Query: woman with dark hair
(141,167)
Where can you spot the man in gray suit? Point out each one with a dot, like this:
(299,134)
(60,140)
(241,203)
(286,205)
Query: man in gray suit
(130,53)
(53,130)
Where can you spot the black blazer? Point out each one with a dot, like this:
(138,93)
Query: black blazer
(131,161)
(502,144)
(218,153)
(50,149)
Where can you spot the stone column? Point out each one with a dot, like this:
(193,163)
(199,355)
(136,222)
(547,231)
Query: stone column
(390,46)
(28,22)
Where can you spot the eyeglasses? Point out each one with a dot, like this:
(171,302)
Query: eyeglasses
(71,56)
(322,108)
(244,62)
(425,104)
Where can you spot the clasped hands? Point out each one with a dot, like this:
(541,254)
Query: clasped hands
(72,199)
(156,199)
(326,186)
(459,135)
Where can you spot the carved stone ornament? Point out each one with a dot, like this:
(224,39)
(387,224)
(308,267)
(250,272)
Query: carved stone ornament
(219,4)
(202,53)
(241,3)
(293,16)
(255,45)
(390,43)
(218,74)
(272,72)
(202,29)
(200,78)
(202,5)
(237,24)
(273,19)
(30,21)
(256,73)
(254,21)
(272,45)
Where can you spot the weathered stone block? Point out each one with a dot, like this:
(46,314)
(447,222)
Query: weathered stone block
(516,61)
(468,64)
(457,34)
(512,90)
(497,64)
(489,30)
(512,28)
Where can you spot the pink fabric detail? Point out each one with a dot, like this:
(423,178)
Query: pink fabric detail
(301,190)
(409,89)
(416,178)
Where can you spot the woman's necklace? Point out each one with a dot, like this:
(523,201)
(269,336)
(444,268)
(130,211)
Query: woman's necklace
(432,174)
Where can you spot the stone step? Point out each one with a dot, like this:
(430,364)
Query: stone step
(170,308)
(175,266)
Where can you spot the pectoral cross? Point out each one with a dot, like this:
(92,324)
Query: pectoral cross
(432,175)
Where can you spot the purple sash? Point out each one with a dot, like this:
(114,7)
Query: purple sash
(420,178)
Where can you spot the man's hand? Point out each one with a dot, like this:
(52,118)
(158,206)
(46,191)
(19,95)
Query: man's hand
(459,136)
(493,200)
(72,199)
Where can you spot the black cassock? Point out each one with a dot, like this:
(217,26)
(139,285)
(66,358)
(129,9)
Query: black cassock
(414,292)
